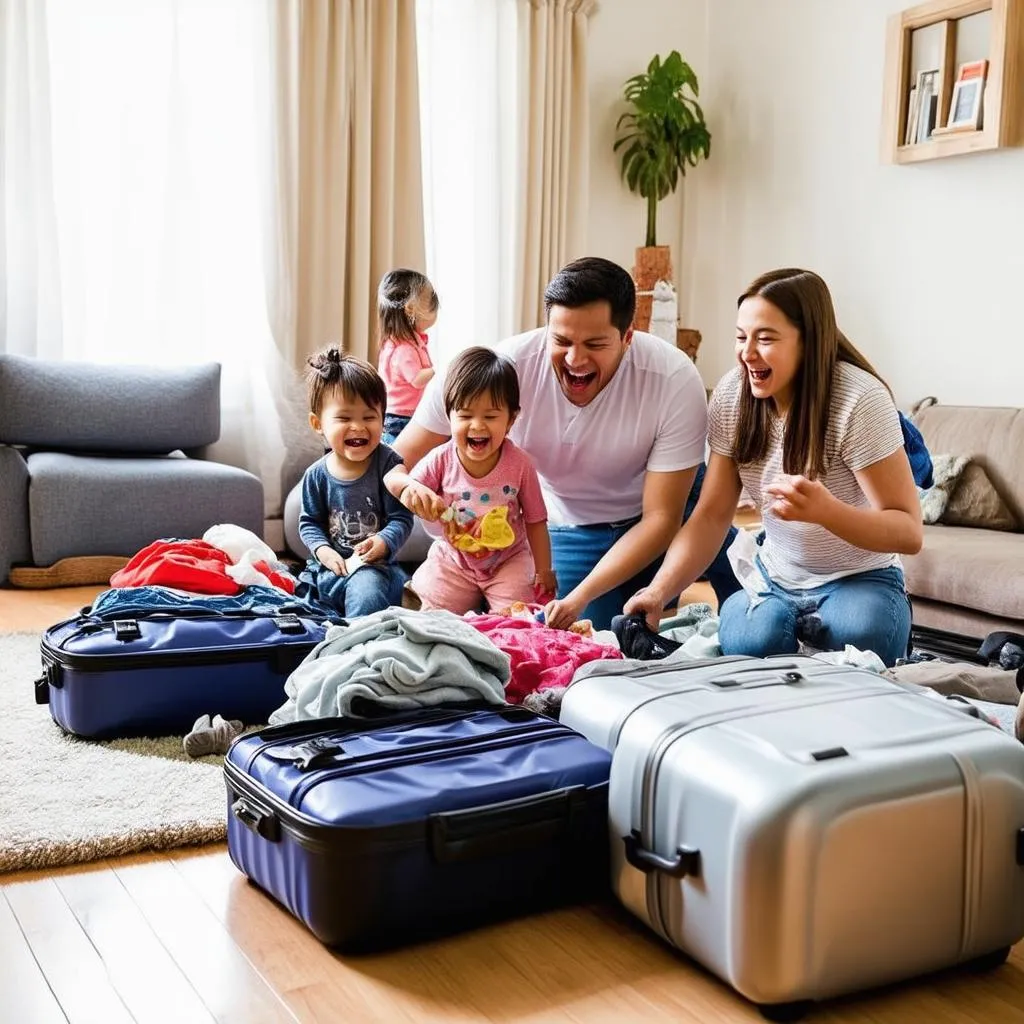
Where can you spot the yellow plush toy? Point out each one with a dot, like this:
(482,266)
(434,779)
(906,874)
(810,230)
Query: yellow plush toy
(492,532)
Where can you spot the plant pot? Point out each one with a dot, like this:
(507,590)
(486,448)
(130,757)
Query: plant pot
(653,264)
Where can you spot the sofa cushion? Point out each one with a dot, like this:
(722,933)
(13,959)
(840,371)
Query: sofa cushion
(89,407)
(976,569)
(84,505)
(976,502)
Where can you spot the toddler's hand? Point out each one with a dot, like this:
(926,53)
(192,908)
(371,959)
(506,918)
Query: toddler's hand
(330,559)
(423,502)
(545,585)
(373,549)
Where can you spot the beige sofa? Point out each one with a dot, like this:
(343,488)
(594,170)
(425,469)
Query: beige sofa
(969,579)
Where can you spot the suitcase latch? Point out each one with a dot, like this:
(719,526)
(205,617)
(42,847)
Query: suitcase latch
(1020,847)
(289,623)
(830,753)
(126,629)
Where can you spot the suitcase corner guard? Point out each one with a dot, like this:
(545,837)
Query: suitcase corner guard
(685,862)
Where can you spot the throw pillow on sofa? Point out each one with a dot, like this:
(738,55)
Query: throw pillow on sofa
(975,502)
(946,470)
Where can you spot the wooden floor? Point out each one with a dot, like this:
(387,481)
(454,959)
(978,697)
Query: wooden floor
(182,937)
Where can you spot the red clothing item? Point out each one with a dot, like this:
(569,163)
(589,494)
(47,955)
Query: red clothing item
(191,565)
(282,580)
(541,657)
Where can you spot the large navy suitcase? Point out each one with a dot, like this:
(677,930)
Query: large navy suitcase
(379,833)
(154,675)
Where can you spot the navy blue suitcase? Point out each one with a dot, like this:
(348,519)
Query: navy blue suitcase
(375,834)
(155,674)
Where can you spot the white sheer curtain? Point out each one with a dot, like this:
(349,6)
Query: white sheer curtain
(130,136)
(469,80)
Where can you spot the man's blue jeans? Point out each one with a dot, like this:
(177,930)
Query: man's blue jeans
(868,610)
(575,550)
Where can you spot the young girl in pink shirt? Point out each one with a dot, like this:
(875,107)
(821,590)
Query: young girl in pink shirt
(406,310)
(486,493)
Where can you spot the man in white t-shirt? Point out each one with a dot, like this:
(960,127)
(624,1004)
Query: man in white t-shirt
(615,422)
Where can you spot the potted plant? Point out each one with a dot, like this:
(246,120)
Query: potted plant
(659,137)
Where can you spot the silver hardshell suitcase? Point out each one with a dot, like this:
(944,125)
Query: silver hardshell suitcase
(805,830)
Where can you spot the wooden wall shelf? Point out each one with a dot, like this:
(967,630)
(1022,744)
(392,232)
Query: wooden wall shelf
(1003,108)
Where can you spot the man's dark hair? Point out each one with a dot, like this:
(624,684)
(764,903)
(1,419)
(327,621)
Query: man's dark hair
(592,279)
(481,371)
(330,370)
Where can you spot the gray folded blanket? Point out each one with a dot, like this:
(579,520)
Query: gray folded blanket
(398,659)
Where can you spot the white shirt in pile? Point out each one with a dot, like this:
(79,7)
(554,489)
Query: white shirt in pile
(863,429)
(652,415)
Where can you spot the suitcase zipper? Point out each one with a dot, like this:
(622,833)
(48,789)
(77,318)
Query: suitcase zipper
(161,659)
(286,735)
(426,753)
(655,905)
(621,723)
(293,816)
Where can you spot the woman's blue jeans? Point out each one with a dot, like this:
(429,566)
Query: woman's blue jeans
(869,610)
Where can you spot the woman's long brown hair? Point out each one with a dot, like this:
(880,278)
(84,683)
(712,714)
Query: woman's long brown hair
(803,299)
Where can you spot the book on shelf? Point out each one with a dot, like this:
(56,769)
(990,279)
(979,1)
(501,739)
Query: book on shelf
(927,103)
(910,131)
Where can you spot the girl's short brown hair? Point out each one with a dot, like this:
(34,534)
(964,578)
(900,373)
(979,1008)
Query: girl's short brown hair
(330,370)
(478,371)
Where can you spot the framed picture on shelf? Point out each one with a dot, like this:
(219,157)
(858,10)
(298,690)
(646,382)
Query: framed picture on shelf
(927,104)
(965,106)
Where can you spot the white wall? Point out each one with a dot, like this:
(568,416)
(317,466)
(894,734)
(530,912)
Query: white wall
(924,260)
(624,36)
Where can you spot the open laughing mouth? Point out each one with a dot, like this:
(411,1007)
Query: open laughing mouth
(579,381)
(357,442)
(478,444)
(758,376)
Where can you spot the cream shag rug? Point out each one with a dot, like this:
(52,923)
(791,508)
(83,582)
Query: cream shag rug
(65,800)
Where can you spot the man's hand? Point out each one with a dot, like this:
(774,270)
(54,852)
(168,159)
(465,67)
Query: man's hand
(423,502)
(798,499)
(648,602)
(561,614)
(373,549)
(545,584)
(330,559)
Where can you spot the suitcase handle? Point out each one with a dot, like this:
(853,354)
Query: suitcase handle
(263,823)
(685,862)
(519,824)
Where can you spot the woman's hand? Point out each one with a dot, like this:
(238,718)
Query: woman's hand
(648,602)
(798,499)
(423,502)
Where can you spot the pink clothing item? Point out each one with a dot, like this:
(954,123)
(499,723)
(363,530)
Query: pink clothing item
(398,364)
(541,657)
(440,582)
(512,483)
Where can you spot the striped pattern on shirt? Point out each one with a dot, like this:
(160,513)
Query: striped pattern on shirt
(863,429)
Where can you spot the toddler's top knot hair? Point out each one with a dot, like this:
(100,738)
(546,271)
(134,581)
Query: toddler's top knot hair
(327,363)
(330,368)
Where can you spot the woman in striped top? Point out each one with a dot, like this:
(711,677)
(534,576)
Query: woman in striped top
(807,426)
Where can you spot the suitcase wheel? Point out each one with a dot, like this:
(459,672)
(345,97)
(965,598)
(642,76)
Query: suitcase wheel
(785,1011)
